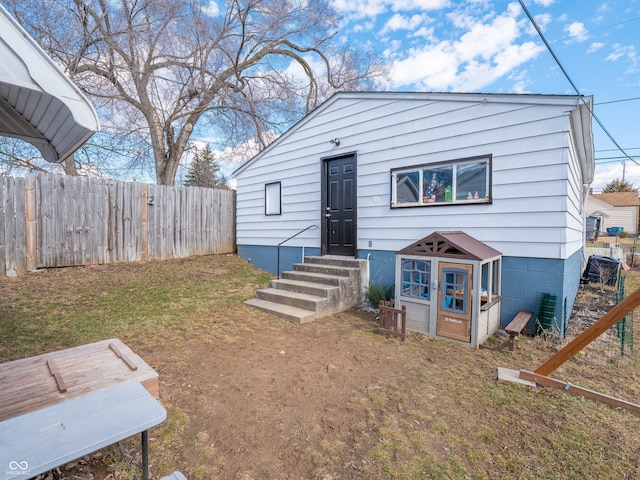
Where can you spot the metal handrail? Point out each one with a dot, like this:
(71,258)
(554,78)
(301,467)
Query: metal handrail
(292,236)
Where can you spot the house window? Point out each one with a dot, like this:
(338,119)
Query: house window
(416,276)
(272,199)
(456,182)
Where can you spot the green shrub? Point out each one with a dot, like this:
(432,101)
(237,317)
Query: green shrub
(379,291)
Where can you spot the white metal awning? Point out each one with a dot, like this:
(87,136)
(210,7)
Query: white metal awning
(38,103)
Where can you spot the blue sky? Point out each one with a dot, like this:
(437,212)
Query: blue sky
(484,46)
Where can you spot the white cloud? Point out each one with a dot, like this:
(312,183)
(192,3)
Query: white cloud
(424,32)
(543,20)
(212,9)
(577,31)
(604,174)
(544,3)
(620,51)
(400,22)
(486,52)
(595,46)
(356,9)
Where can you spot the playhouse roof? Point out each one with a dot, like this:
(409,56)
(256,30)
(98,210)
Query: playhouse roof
(452,245)
(38,103)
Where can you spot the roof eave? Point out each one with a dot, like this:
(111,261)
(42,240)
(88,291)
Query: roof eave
(40,103)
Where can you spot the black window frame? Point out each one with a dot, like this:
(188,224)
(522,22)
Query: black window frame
(419,185)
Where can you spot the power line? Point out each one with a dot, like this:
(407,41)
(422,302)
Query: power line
(614,25)
(604,129)
(615,149)
(612,159)
(618,101)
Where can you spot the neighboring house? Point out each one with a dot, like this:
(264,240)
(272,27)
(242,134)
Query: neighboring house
(376,172)
(616,209)
(38,103)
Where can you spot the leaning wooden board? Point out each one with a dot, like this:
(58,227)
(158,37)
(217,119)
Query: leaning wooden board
(32,383)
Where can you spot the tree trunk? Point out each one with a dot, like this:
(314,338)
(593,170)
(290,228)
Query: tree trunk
(70,166)
(166,168)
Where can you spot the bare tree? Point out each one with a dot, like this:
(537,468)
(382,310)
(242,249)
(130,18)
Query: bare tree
(172,67)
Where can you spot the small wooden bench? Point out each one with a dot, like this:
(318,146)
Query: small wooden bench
(392,321)
(513,329)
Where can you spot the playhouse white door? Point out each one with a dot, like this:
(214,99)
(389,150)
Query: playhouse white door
(454,301)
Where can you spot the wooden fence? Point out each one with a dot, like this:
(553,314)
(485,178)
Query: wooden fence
(56,221)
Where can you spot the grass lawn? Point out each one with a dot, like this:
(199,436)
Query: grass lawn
(250,396)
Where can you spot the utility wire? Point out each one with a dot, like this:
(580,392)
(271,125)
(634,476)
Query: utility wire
(618,101)
(604,129)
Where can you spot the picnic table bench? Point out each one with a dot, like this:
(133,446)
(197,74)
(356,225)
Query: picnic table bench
(513,329)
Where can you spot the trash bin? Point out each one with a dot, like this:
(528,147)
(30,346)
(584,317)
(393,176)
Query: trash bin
(600,268)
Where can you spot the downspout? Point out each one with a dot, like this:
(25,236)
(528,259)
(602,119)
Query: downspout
(584,225)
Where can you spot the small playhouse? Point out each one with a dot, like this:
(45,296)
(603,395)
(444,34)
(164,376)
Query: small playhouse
(449,283)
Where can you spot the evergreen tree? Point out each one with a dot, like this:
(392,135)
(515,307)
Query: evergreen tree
(204,171)
(618,185)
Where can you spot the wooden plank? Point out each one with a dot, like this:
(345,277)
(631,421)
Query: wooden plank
(3,253)
(65,221)
(122,357)
(519,322)
(169,204)
(44,217)
(101,236)
(21,226)
(31,224)
(152,228)
(62,388)
(15,224)
(28,384)
(144,223)
(590,334)
(567,387)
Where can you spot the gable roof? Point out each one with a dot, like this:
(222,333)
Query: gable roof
(451,245)
(580,109)
(38,103)
(619,199)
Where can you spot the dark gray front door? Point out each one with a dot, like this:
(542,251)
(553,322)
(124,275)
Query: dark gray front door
(339,206)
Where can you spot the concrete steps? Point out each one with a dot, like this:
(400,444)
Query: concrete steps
(318,287)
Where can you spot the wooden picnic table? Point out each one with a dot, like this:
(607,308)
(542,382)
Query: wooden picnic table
(60,406)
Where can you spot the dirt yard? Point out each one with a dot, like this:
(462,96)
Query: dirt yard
(250,396)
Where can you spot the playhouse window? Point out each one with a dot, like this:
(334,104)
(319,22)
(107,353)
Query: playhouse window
(457,182)
(272,199)
(454,288)
(416,276)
